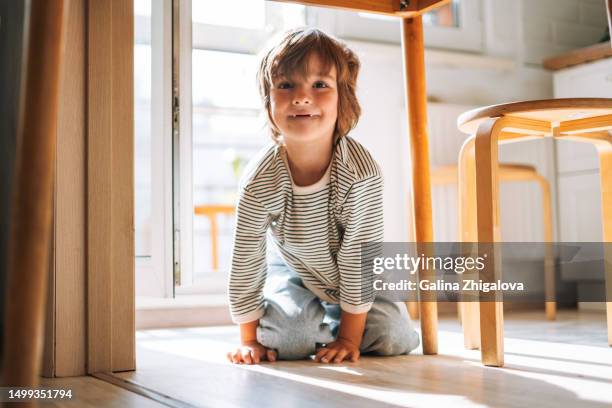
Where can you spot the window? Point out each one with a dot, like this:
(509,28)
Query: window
(228,129)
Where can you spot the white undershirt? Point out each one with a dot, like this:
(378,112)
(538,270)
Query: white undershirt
(312,188)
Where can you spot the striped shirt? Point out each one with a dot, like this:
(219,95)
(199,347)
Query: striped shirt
(317,229)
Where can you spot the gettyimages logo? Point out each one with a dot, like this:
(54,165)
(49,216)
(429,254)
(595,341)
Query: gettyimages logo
(412,264)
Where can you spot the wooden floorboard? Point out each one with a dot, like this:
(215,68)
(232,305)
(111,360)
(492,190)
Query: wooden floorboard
(89,392)
(548,364)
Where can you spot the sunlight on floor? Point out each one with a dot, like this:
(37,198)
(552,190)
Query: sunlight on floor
(544,372)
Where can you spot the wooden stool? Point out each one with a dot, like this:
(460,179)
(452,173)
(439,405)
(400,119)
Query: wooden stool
(211,211)
(580,119)
(466,203)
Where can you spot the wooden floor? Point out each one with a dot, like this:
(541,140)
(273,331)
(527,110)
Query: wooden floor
(89,392)
(548,364)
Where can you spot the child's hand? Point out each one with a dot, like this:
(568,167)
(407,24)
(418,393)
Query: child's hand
(251,353)
(337,351)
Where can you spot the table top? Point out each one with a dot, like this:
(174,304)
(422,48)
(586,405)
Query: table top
(398,8)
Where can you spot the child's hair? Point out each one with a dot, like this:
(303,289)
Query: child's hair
(290,56)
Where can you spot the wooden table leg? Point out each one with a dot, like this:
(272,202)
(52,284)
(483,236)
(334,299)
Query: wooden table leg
(32,199)
(487,186)
(470,310)
(416,96)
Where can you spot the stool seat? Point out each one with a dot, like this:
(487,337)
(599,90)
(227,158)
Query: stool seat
(547,110)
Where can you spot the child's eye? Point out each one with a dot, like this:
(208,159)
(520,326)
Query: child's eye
(320,84)
(284,85)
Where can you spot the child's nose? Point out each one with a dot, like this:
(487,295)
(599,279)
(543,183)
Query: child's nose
(301,98)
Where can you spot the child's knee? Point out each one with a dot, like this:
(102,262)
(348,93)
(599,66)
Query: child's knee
(293,350)
(289,345)
(399,341)
(294,339)
(395,338)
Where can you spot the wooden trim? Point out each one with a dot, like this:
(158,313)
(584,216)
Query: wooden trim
(48,353)
(110,236)
(70,312)
(99,185)
(32,210)
(122,175)
(92,302)
(579,56)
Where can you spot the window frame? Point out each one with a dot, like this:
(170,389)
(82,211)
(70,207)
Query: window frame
(154,273)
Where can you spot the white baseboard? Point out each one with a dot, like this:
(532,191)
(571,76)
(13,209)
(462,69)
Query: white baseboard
(183,311)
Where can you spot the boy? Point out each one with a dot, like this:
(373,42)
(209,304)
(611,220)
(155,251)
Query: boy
(319,193)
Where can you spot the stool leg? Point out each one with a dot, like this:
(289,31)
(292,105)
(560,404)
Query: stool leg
(470,310)
(212,218)
(605,173)
(413,309)
(549,264)
(487,184)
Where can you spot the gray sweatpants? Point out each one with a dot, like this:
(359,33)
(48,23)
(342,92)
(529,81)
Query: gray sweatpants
(296,320)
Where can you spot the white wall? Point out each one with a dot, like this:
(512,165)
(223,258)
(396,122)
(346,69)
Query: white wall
(382,129)
(552,27)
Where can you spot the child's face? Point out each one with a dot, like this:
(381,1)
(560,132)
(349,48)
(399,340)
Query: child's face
(306,109)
